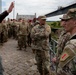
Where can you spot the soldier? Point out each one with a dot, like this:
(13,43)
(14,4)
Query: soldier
(63,38)
(4,31)
(30,26)
(14,28)
(22,35)
(40,37)
(67,61)
(17,28)
(9,28)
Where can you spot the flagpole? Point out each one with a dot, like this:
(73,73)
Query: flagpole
(14,11)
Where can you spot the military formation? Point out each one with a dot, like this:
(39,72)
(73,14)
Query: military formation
(33,33)
(16,29)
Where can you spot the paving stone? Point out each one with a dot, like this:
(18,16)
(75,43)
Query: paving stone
(17,62)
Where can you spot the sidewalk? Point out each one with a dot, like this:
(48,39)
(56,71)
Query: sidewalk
(17,62)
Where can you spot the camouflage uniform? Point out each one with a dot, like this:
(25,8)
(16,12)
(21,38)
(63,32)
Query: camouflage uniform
(64,37)
(22,35)
(9,26)
(14,29)
(5,31)
(30,26)
(17,29)
(67,62)
(40,38)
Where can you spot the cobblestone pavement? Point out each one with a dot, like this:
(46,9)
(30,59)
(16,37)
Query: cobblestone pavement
(17,62)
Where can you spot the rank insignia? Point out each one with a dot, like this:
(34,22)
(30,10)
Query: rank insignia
(64,56)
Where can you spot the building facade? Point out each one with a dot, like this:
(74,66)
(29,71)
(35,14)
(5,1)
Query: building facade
(25,16)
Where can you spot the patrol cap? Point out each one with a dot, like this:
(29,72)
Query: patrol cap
(65,17)
(42,17)
(71,14)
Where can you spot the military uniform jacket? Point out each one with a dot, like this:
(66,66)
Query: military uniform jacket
(69,54)
(23,29)
(40,37)
(64,37)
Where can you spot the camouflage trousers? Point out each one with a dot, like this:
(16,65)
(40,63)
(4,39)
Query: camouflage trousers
(5,37)
(22,41)
(43,62)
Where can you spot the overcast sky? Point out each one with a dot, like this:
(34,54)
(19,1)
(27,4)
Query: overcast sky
(40,7)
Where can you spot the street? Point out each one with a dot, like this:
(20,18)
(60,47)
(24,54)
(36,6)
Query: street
(16,62)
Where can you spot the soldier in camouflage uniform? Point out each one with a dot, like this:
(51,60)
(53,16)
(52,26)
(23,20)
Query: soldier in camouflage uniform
(18,23)
(5,31)
(30,26)
(14,29)
(64,37)
(22,35)
(67,61)
(40,37)
(9,27)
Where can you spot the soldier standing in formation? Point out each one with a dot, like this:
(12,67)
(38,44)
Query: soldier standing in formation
(67,61)
(64,37)
(4,31)
(40,37)
(22,35)
(14,29)
(30,26)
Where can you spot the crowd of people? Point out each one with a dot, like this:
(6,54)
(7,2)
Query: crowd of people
(35,34)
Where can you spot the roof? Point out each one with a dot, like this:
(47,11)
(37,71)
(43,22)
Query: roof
(25,16)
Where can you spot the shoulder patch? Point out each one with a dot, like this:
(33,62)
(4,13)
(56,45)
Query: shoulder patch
(64,56)
(67,55)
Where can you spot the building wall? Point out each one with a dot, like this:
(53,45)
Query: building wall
(25,16)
